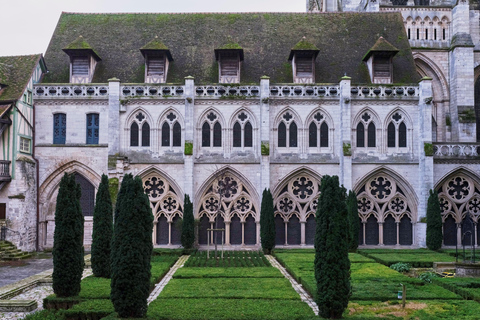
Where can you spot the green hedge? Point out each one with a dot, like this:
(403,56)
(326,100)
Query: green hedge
(468,288)
(260,272)
(90,309)
(230,259)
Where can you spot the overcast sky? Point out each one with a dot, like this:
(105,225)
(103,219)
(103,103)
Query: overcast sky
(27,25)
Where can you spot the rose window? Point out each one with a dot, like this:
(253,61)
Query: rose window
(380,188)
(302,188)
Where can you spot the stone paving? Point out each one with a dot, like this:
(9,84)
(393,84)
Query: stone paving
(34,266)
(159,286)
(298,287)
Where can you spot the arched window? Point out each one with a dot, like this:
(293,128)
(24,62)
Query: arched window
(366,132)
(360,135)
(397,132)
(165,135)
(237,135)
(146,135)
(211,131)
(318,132)
(391,135)
(134,135)
(138,135)
(171,131)
(242,131)
(282,135)
(206,135)
(217,135)
(177,135)
(287,131)
(293,135)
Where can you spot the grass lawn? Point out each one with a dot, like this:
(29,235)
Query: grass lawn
(230,259)
(250,291)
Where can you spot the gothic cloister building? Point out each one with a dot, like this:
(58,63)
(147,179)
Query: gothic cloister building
(221,106)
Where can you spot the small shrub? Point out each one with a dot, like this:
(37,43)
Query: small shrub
(44,315)
(401,267)
(428,276)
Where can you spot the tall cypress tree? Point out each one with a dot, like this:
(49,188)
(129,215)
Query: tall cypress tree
(131,250)
(267,222)
(188,224)
(102,231)
(353,221)
(434,222)
(332,266)
(68,260)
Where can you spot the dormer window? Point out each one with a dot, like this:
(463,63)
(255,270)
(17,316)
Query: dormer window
(303,56)
(157,58)
(379,60)
(83,60)
(229,59)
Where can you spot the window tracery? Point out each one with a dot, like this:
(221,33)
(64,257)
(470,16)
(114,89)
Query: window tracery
(397,131)
(459,198)
(366,131)
(171,131)
(243,131)
(382,203)
(318,131)
(228,204)
(138,135)
(287,131)
(211,131)
(167,208)
(295,204)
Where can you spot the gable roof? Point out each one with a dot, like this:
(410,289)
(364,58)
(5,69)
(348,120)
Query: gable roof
(304,45)
(381,45)
(15,72)
(156,45)
(80,44)
(266,39)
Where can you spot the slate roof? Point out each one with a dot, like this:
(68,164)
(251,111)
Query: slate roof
(266,39)
(381,45)
(15,72)
(80,44)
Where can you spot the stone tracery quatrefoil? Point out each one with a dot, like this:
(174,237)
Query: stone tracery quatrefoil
(227,187)
(474,206)
(314,204)
(445,205)
(154,187)
(397,117)
(140,116)
(211,116)
(171,116)
(318,116)
(170,204)
(364,205)
(242,116)
(285,205)
(211,204)
(380,188)
(287,116)
(243,204)
(302,188)
(397,205)
(366,117)
(458,188)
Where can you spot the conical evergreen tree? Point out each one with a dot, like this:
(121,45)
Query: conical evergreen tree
(68,260)
(188,224)
(332,266)
(131,250)
(267,222)
(353,221)
(434,222)
(102,231)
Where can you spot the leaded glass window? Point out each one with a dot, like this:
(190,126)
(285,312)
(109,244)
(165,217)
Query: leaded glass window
(59,128)
(146,135)
(134,135)
(93,122)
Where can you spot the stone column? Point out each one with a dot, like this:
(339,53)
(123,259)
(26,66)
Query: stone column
(344,144)
(462,100)
(227,233)
(188,142)
(302,232)
(425,153)
(380,233)
(264,133)
(113,116)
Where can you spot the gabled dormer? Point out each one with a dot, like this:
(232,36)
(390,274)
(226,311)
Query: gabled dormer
(229,59)
(157,59)
(303,56)
(83,60)
(379,61)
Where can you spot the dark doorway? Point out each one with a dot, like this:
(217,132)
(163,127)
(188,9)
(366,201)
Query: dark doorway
(250,230)
(87,199)
(162,230)
(279,230)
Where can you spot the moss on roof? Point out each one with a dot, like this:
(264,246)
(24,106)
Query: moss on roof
(266,39)
(230,46)
(305,45)
(155,44)
(80,44)
(381,45)
(15,72)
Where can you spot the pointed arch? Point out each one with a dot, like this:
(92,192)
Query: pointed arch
(134,113)
(428,68)
(375,118)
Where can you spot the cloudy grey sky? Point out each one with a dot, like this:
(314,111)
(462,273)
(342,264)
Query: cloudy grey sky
(27,25)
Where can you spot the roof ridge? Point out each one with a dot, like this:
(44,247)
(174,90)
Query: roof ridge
(22,55)
(259,12)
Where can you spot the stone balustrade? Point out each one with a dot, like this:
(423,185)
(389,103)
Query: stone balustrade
(456,150)
(71,91)
(152,91)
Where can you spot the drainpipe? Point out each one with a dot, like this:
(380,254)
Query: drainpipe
(36,180)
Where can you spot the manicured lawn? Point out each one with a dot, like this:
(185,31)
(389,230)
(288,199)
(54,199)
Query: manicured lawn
(230,259)
(415,259)
(469,288)
(260,272)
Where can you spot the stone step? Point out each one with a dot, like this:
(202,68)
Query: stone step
(18,305)
(17,256)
